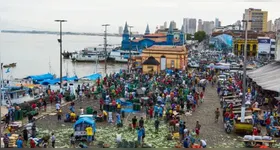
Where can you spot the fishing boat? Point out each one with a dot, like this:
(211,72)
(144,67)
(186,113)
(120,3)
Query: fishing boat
(123,55)
(91,54)
(12,65)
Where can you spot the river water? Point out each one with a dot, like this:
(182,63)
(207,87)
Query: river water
(39,54)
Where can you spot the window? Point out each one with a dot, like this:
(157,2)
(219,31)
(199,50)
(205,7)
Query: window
(254,47)
(172,63)
(248,47)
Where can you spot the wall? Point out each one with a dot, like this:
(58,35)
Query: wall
(177,59)
(147,68)
(250,52)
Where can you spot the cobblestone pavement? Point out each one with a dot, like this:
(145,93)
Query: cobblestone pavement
(212,132)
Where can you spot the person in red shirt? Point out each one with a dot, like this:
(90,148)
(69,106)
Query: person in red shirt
(114,104)
(151,112)
(33,106)
(101,103)
(98,81)
(32,143)
(255,131)
(51,98)
(226,115)
(231,116)
(201,95)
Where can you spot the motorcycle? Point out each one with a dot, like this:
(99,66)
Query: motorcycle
(228,127)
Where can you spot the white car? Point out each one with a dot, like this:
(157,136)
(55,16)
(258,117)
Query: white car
(222,77)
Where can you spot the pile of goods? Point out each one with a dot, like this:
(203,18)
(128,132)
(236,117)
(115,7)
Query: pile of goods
(13,138)
(129,137)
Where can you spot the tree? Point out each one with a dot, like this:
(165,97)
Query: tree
(189,37)
(199,35)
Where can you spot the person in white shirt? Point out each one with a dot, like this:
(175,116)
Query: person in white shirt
(203,143)
(57,106)
(80,95)
(81,110)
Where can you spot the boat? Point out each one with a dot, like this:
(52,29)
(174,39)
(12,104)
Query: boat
(91,54)
(123,55)
(66,55)
(12,65)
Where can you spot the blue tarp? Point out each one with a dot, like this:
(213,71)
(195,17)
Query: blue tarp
(124,103)
(86,120)
(93,76)
(57,80)
(53,81)
(40,77)
(128,110)
(74,78)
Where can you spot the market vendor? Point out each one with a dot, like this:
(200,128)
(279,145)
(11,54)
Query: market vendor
(73,117)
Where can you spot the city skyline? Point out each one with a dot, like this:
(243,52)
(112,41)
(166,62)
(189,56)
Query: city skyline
(88,16)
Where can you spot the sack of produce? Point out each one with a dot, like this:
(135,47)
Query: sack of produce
(267,138)
(257,137)
(248,137)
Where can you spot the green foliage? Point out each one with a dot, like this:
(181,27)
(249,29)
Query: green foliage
(199,35)
(189,37)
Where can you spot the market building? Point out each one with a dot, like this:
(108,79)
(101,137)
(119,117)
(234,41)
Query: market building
(252,47)
(150,39)
(169,57)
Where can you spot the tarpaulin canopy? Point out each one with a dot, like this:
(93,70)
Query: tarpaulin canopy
(40,77)
(268,76)
(74,78)
(85,120)
(92,77)
(53,81)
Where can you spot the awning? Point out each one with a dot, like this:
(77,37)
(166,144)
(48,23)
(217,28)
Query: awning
(268,76)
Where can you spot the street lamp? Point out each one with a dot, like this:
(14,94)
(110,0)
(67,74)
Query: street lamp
(244,72)
(105,45)
(60,55)
(130,47)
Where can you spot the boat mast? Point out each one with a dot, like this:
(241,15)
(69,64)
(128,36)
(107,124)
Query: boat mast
(67,69)
(50,67)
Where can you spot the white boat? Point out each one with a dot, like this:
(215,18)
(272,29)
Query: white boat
(91,54)
(123,55)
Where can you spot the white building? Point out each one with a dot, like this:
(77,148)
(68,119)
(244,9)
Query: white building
(264,47)
(270,26)
(217,23)
(200,25)
(173,23)
(277,24)
(208,26)
(189,25)
(165,25)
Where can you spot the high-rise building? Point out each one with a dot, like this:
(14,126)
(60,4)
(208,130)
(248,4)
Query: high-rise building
(270,26)
(120,30)
(173,23)
(259,18)
(165,25)
(208,26)
(189,25)
(217,23)
(277,24)
(199,26)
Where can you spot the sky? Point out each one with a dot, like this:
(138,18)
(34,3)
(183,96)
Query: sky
(89,15)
